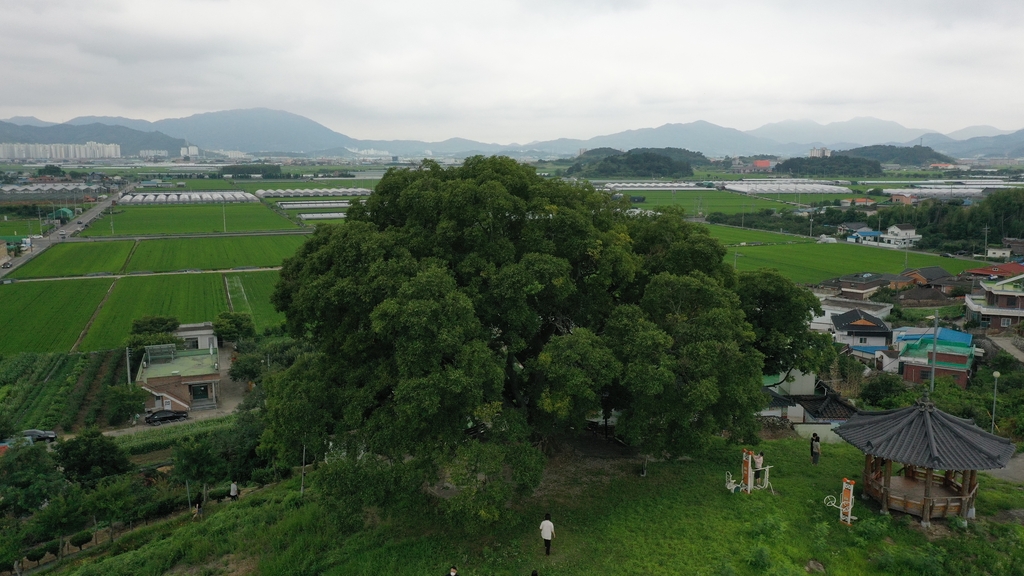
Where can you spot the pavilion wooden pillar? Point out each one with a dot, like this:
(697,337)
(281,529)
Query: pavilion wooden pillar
(885,486)
(965,489)
(926,505)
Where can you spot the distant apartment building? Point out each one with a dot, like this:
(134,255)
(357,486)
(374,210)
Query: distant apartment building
(89,150)
(820,153)
(153,154)
(190,151)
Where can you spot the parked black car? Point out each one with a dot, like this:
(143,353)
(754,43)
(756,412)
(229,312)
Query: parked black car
(40,435)
(160,416)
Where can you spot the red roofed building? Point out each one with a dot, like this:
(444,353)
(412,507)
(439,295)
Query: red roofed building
(1007,270)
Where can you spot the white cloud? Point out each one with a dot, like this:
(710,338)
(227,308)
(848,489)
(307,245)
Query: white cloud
(517,70)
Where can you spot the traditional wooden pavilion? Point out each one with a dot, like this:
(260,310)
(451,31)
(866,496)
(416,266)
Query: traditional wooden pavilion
(940,456)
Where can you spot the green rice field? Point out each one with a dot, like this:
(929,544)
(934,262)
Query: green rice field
(47,316)
(213,253)
(188,219)
(77,259)
(188,297)
(254,185)
(728,235)
(813,263)
(250,293)
(21,227)
(706,201)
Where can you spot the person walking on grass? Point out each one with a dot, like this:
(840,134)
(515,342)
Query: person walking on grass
(547,533)
(234,491)
(815,449)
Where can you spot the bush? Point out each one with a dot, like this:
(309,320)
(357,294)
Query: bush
(35,554)
(81,539)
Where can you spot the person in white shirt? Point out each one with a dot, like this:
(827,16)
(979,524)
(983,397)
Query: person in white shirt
(234,491)
(547,533)
(758,465)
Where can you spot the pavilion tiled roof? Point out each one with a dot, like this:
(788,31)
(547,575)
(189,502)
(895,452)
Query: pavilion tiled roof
(922,435)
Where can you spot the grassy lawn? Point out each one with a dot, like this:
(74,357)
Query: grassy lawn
(213,253)
(250,292)
(77,259)
(679,519)
(813,263)
(47,316)
(729,235)
(188,219)
(705,201)
(189,297)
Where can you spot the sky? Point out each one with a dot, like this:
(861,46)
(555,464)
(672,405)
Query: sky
(518,70)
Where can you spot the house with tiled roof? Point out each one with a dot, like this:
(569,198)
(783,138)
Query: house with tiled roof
(925,276)
(996,270)
(858,329)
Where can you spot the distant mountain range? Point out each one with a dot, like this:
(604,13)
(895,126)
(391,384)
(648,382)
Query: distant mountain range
(264,130)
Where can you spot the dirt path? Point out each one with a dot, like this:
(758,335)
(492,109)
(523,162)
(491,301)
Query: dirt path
(95,387)
(95,313)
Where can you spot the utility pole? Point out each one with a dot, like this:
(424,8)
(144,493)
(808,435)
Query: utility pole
(810,231)
(984,248)
(128,363)
(224,215)
(935,344)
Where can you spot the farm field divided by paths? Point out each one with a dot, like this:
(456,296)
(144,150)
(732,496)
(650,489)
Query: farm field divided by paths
(213,253)
(77,259)
(814,263)
(189,297)
(188,219)
(250,293)
(47,316)
(705,201)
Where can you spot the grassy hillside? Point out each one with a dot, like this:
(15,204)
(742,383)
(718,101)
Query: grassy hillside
(905,155)
(679,519)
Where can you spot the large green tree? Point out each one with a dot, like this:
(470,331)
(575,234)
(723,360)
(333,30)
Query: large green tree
(780,312)
(462,317)
(91,456)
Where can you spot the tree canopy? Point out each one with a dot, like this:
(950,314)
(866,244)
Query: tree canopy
(637,163)
(906,155)
(462,317)
(830,166)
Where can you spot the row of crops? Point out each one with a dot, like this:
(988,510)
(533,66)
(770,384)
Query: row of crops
(63,391)
(147,440)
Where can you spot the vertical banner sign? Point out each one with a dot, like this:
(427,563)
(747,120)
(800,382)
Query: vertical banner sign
(748,476)
(846,505)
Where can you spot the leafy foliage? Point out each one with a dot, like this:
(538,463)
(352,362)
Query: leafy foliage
(639,163)
(154,325)
(462,314)
(905,155)
(233,326)
(831,166)
(90,457)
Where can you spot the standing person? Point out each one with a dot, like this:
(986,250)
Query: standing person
(453,571)
(758,464)
(234,491)
(815,449)
(547,533)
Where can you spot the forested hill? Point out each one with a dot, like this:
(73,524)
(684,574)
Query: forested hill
(637,163)
(131,141)
(904,155)
(833,166)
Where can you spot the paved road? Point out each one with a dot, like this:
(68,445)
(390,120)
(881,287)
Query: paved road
(39,245)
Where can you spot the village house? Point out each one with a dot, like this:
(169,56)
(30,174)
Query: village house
(179,379)
(997,304)
(901,235)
